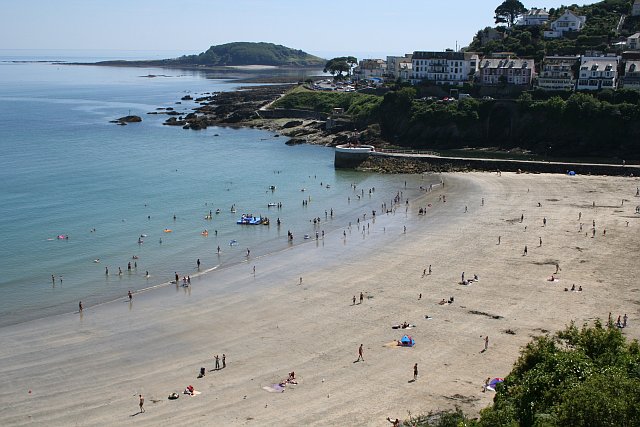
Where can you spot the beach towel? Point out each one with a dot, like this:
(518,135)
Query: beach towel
(274,388)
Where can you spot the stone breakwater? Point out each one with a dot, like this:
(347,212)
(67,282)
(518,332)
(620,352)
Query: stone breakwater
(408,163)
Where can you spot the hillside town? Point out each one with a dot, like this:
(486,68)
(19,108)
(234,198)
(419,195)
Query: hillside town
(505,72)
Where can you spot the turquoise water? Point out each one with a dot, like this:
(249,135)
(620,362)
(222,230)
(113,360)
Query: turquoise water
(66,171)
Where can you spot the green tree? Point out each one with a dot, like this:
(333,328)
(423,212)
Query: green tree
(340,65)
(579,377)
(508,11)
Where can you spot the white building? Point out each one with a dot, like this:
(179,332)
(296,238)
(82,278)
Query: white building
(568,21)
(399,67)
(556,73)
(534,17)
(598,72)
(635,9)
(631,78)
(498,71)
(449,67)
(371,68)
(633,42)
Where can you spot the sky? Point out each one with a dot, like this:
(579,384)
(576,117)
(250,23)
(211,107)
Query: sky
(372,28)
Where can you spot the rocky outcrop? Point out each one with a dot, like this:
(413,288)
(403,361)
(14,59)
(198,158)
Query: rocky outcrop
(127,119)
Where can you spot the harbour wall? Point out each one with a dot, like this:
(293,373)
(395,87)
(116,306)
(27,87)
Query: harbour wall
(418,163)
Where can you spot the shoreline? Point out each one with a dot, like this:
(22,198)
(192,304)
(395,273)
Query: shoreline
(90,370)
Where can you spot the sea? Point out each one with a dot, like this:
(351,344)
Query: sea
(80,195)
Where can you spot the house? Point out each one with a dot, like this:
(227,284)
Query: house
(635,9)
(534,17)
(398,67)
(633,42)
(568,21)
(557,73)
(509,71)
(598,72)
(448,67)
(631,78)
(370,68)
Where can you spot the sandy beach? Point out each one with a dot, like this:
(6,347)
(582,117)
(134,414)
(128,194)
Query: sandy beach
(89,368)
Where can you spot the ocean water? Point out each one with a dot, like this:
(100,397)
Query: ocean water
(64,170)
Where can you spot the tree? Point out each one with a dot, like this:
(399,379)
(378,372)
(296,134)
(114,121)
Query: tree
(340,65)
(508,11)
(579,377)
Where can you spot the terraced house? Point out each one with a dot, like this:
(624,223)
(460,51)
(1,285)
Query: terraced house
(598,72)
(557,73)
(506,71)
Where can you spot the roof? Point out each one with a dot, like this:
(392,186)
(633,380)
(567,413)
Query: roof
(569,12)
(449,55)
(538,12)
(599,64)
(632,66)
(507,63)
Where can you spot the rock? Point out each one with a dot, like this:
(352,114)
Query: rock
(292,124)
(130,119)
(296,141)
(186,98)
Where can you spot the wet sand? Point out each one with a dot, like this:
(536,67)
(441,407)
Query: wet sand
(88,369)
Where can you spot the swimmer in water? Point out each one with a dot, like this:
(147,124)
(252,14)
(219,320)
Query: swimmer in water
(96,260)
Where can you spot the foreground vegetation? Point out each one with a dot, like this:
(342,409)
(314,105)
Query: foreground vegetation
(581,377)
(359,106)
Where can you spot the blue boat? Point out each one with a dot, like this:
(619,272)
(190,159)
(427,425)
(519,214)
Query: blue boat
(249,219)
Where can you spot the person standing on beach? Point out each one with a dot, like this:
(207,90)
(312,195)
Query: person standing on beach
(544,221)
(141,403)
(429,269)
(224,360)
(80,307)
(354,300)
(415,372)
(217,362)
(361,297)
(130,296)
(360,354)
(499,239)
(486,343)
(198,263)
(540,242)
(525,251)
